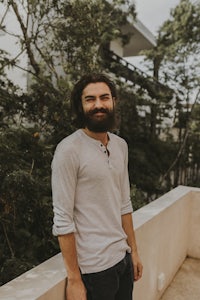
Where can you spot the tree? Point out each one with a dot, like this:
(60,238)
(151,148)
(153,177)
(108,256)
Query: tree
(62,44)
(176,60)
(25,215)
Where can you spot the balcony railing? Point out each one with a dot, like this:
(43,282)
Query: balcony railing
(167,231)
(118,65)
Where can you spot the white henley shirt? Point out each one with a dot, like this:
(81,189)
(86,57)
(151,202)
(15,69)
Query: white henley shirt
(91,192)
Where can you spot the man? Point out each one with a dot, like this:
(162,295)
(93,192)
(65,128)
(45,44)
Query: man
(91,199)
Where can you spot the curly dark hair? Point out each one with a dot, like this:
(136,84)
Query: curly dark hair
(76,103)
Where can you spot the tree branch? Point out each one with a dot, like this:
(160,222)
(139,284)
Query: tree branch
(7,240)
(12,60)
(4,15)
(27,40)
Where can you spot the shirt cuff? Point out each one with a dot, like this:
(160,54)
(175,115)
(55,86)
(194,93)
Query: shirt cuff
(126,209)
(62,230)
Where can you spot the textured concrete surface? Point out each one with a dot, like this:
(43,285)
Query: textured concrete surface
(186,283)
(38,282)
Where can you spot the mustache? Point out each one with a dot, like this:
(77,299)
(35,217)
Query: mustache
(96,110)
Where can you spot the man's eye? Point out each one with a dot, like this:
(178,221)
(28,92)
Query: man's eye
(105,98)
(89,99)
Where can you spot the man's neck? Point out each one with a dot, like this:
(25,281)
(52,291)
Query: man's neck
(100,136)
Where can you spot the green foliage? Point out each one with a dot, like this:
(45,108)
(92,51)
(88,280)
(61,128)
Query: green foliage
(185,15)
(25,194)
(25,202)
(176,61)
(138,198)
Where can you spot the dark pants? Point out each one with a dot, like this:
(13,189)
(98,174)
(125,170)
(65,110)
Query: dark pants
(115,283)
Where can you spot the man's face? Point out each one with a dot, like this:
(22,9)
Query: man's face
(98,107)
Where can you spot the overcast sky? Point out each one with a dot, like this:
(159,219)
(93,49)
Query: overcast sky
(152,13)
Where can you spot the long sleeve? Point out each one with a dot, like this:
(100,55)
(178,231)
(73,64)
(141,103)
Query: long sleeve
(125,186)
(64,179)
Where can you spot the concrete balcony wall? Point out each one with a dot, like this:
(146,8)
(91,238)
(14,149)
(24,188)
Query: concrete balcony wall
(167,230)
(194,228)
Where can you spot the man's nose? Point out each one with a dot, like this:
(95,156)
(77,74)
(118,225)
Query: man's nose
(98,103)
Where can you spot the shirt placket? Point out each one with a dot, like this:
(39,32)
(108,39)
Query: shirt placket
(106,152)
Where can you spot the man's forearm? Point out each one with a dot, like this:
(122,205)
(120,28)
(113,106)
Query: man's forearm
(75,287)
(127,224)
(68,248)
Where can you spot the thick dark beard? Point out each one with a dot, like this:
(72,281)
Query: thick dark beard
(100,125)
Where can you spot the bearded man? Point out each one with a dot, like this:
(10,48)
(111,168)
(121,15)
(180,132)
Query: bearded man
(91,199)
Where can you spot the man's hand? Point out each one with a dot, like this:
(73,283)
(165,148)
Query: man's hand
(127,224)
(137,265)
(75,290)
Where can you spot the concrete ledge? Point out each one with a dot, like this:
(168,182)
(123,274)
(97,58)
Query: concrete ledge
(147,212)
(43,282)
